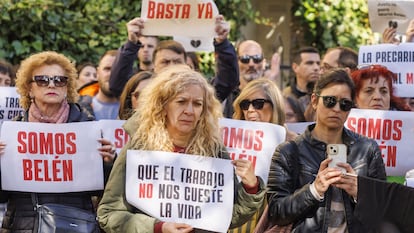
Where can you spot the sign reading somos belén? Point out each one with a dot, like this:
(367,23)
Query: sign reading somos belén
(52,158)
(393,132)
(254,141)
(181,188)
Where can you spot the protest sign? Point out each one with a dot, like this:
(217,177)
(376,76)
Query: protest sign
(394,133)
(255,141)
(192,18)
(397,58)
(390,13)
(181,188)
(51,158)
(114,132)
(9,104)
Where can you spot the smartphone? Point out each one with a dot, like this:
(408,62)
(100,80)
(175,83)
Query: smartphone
(338,154)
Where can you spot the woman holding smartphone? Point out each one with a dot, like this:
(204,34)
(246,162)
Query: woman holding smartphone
(308,193)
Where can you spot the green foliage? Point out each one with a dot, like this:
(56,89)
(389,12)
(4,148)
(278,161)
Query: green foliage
(331,23)
(84,29)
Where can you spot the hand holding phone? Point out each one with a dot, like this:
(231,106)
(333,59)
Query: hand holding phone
(338,154)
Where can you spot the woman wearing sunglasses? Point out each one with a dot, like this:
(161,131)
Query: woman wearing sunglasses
(260,100)
(308,193)
(46,83)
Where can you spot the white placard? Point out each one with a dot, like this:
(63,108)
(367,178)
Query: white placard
(51,158)
(114,132)
(381,12)
(9,104)
(181,188)
(394,133)
(397,58)
(255,141)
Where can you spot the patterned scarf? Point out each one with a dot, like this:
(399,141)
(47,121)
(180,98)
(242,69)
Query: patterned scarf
(60,116)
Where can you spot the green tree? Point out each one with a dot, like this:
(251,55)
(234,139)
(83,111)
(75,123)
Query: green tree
(324,24)
(84,29)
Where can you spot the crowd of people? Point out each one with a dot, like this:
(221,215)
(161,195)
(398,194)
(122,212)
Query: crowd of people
(169,106)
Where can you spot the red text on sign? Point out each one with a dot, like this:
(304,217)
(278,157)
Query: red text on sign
(121,138)
(159,10)
(247,139)
(39,170)
(46,143)
(379,129)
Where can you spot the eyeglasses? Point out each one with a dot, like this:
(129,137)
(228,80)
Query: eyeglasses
(257,103)
(330,102)
(246,59)
(44,80)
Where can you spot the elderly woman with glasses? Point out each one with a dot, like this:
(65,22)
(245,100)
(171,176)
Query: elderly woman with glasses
(308,193)
(46,83)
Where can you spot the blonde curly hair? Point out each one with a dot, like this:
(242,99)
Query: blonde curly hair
(24,75)
(272,93)
(150,116)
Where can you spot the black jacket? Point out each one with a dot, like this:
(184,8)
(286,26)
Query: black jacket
(226,80)
(293,169)
(20,216)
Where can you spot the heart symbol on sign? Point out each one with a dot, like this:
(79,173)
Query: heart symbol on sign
(195,43)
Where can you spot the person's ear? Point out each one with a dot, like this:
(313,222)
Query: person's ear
(314,101)
(294,66)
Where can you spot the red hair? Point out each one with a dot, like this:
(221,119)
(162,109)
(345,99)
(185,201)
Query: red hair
(373,72)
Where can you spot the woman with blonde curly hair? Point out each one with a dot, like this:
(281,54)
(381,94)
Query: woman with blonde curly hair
(177,112)
(46,82)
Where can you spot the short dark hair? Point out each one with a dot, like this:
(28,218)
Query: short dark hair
(81,66)
(334,76)
(7,69)
(170,45)
(297,58)
(112,53)
(347,58)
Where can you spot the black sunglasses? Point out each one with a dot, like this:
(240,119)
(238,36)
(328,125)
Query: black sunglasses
(257,103)
(330,102)
(44,80)
(246,59)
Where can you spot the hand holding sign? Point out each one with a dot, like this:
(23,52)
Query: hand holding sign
(222,28)
(134,28)
(2,146)
(107,150)
(174,227)
(410,32)
(389,36)
(245,170)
